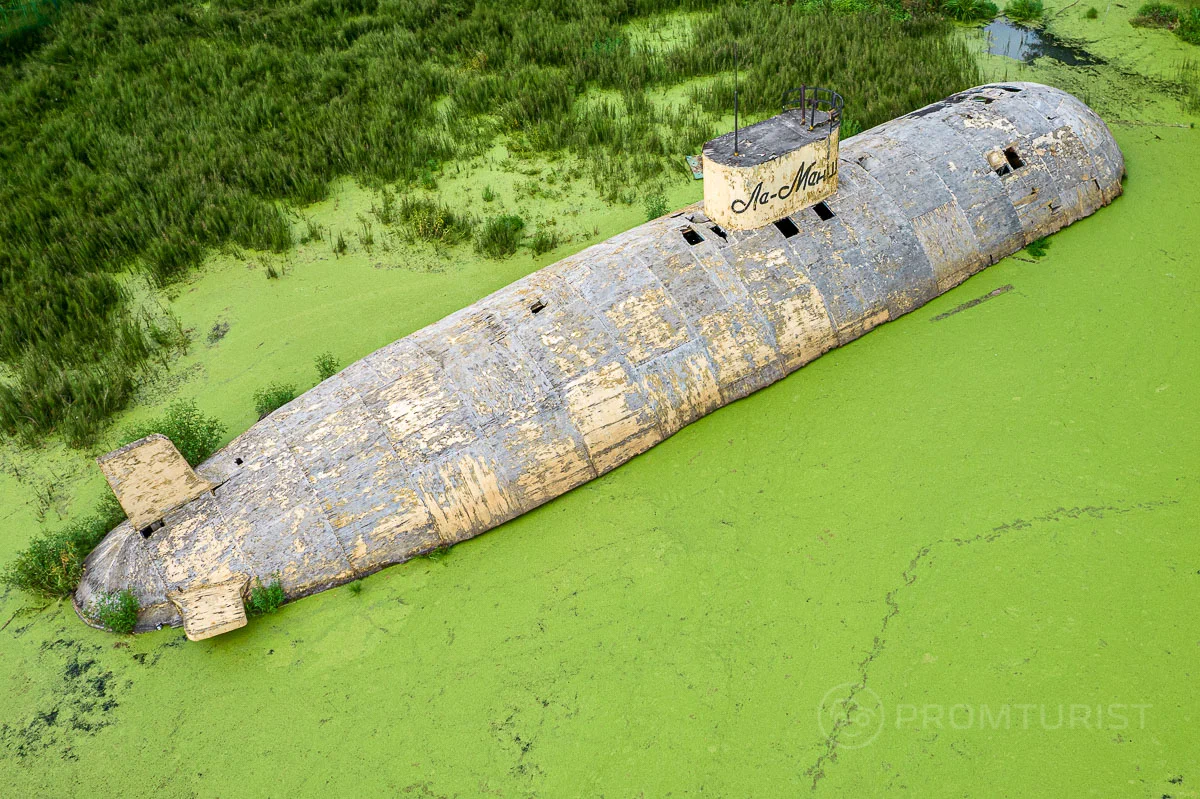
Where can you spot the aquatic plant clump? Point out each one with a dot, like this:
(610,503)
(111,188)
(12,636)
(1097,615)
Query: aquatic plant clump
(500,236)
(272,397)
(265,598)
(116,611)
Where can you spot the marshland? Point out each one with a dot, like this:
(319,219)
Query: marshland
(206,207)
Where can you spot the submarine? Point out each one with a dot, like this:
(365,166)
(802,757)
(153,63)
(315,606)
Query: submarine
(800,245)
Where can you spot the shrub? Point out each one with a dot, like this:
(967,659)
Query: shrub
(265,598)
(1092,13)
(356,587)
(116,610)
(969,10)
(272,397)
(1156,15)
(1024,10)
(195,435)
(327,365)
(52,564)
(655,205)
(488,194)
(500,236)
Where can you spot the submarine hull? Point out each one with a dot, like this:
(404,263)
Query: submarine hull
(580,366)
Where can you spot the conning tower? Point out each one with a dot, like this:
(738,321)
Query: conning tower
(762,173)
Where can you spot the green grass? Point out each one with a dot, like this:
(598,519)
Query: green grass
(116,611)
(272,397)
(265,599)
(144,135)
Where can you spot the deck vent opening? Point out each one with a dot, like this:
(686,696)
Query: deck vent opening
(238,461)
(1014,160)
(787,227)
(823,211)
(691,236)
(717,229)
(149,529)
(537,307)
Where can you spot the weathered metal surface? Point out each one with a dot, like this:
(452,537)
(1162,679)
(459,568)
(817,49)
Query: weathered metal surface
(498,408)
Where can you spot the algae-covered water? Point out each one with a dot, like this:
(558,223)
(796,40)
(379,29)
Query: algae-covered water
(979,521)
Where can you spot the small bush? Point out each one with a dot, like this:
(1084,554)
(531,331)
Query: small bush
(1025,10)
(969,10)
(118,610)
(500,236)
(195,435)
(655,205)
(1156,15)
(356,587)
(488,194)
(52,564)
(327,365)
(1038,247)
(272,397)
(265,598)
(1092,13)
(339,245)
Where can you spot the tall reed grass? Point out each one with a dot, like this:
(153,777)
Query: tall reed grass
(142,133)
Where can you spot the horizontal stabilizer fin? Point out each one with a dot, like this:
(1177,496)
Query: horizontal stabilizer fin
(150,477)
(210,610)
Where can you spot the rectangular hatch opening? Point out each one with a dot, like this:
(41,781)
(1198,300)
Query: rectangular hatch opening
(787,227)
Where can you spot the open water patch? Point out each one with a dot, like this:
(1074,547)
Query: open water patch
(1021,43)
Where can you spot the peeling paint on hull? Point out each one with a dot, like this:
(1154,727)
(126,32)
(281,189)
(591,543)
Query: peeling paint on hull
(497,409)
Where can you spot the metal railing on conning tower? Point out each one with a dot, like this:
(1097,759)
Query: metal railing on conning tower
(820,106)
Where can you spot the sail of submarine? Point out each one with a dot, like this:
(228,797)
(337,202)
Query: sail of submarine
(799,246)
